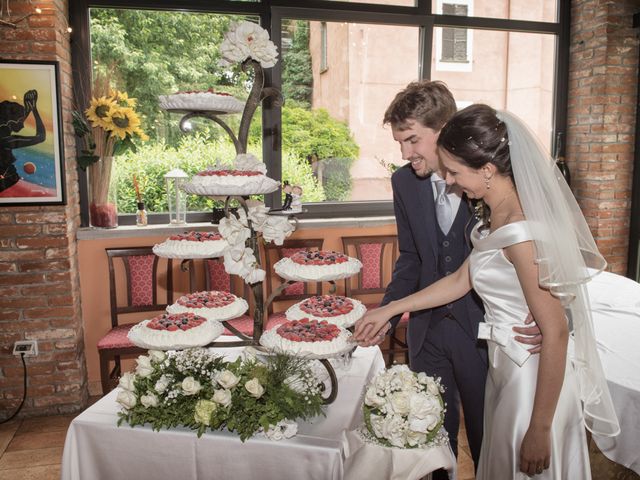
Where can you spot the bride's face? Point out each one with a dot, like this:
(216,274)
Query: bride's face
(470,180)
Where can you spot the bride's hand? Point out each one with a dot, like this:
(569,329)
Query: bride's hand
(535,451)
(369,326)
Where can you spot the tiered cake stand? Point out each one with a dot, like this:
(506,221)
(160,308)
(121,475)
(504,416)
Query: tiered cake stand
(257,95)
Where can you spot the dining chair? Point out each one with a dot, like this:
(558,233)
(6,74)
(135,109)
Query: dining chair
(378,254)
(294,292)
(137,280)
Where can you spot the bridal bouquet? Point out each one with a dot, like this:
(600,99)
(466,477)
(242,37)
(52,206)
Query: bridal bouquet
(199,390)
(403,408)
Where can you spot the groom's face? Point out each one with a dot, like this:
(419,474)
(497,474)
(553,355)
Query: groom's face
(418,145)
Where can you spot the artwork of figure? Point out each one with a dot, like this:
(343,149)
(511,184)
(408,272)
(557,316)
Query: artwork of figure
(12,119)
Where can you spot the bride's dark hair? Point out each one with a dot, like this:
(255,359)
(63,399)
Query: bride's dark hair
(477,136)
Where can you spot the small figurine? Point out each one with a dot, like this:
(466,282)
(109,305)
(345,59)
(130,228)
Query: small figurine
(287,196)
(296,198)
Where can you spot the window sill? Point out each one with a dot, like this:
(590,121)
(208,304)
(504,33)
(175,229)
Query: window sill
(128,231)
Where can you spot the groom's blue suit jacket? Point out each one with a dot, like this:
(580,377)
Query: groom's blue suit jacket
(417,265)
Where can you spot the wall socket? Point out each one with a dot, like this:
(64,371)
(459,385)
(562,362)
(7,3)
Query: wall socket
(27,347)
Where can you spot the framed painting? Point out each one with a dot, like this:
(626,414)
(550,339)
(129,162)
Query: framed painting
(31,146)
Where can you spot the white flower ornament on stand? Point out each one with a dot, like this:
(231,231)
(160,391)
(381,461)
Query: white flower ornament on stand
(248,40)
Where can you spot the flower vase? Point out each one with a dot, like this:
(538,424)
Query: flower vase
(103,209)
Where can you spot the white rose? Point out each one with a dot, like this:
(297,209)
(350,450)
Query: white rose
(400,402)
(247,39)
(416,438)
(254,275)
(394,430)
(258,216)
(372,398)
(190,386)
(144,367)
(149,400)
(276,229)
(274,433)
(254,388)
(157,356)
(126,398)
(424,425)
(249,162)
(290,428)
(232,266)
(425,412)
(408,379)
(127,381)
(432,387)
(235,233)
(223,397)
(162,383)
(377,422)
(423,378)
(227,379)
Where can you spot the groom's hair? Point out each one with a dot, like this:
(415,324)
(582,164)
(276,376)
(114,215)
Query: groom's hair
(429,102)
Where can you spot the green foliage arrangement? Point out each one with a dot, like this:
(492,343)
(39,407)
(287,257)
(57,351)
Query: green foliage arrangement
(196,389)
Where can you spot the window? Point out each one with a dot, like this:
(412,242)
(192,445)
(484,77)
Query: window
(328,135)
(324,63)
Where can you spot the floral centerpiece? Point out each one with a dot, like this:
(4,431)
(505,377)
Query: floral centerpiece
(404,409)
(106,129)
(200,390)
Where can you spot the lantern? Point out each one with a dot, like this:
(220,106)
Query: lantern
(176,198)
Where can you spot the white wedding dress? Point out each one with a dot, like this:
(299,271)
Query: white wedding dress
(511,382)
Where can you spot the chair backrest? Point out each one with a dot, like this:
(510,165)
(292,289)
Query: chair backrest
(144,275)
(298,290)
(378,254)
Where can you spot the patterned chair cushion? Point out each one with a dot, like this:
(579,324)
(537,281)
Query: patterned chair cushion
(141,279)
(371,265)
(116,338)
(219,279)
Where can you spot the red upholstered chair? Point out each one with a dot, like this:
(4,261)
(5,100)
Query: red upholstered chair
(378,254)
(216,278)
(295,292)
(142,273)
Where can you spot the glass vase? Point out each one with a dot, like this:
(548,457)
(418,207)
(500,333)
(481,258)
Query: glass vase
(103,206)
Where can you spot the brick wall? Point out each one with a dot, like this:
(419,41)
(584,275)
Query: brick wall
(39,291)
(603,83)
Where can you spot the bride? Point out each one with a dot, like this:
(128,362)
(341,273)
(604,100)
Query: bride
(531,253)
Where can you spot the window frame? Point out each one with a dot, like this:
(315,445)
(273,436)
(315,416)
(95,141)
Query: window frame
(271,13)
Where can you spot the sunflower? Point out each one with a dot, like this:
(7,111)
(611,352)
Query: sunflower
(124,121)
(122,99)
(99,112)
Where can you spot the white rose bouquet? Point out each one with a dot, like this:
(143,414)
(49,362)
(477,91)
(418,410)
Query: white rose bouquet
(197,389)
(403,408)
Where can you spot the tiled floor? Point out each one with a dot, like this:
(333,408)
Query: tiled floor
(31,449)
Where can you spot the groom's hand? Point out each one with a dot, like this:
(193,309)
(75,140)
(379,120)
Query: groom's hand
(533,335)
(378,339)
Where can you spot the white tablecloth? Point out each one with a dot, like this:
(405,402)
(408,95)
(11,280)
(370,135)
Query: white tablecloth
(615,304)
(95,448)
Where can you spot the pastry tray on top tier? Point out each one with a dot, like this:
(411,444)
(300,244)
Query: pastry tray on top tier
(257,185)
(216,249)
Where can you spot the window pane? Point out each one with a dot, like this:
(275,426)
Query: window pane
(150,53)
(333,141)
(506,70)
(404,3)
(538,11)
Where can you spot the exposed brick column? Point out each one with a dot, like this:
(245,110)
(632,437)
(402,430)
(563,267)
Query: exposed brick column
(603,84)
(39,290)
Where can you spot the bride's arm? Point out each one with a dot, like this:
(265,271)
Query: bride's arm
(535,450)
(445,290)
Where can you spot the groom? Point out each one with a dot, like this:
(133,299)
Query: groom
(434,223)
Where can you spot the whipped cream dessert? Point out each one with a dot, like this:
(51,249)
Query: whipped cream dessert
(209,100)
(313,266)
(230,182)
(192,245)
(307,337)
(171,332)
(212,305)
(336,309)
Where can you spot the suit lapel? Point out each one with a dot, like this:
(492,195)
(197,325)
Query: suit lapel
(429,223)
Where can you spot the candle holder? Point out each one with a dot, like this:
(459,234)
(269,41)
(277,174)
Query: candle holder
(176,198)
